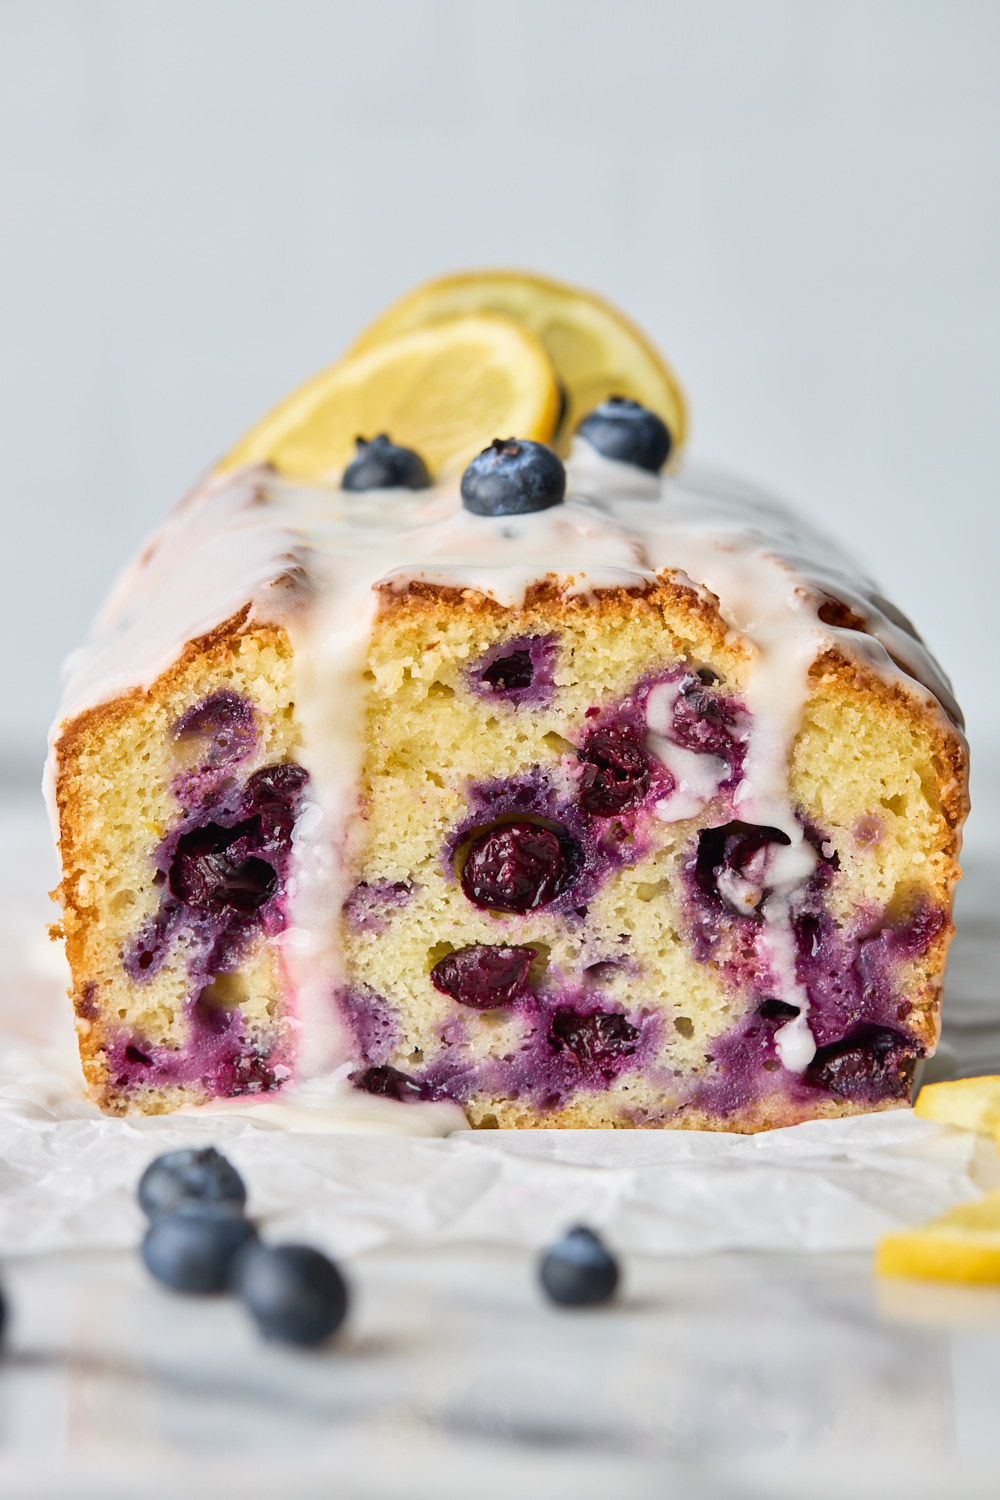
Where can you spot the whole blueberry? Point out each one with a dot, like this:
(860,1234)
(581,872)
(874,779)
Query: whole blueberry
(632,434)
(191,1179)
(193,1251)
(577,1270)
(295,1294)
(486,976)
(519,867)
(511,477)
(382,465)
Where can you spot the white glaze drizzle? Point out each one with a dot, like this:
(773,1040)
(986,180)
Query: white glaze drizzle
(309,558)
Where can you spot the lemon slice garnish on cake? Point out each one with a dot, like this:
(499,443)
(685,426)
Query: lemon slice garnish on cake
(445,390)
(971,1103)
(961,1245)
(597,352)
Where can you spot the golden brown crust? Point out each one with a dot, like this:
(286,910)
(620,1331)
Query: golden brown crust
(548,605)
(772,1113)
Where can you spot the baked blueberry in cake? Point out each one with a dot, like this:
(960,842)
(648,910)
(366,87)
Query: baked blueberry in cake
(511,762)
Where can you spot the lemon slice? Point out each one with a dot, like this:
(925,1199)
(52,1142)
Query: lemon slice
(972,1103)
(446,391)
(962,1245)
(596,351)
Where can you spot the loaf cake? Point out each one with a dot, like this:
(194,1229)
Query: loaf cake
(590,790)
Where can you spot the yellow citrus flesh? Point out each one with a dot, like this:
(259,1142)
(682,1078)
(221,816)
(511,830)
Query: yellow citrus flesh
(972,1103)
(596,351)
(445,391)
(962,1245)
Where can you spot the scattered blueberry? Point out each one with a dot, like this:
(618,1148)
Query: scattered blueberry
(577,1270)
(487,976)
(513,476)
(194,1250)
(870,1055)
(272,794)
(518,867)
(731,864)
(191,1179)
(295,1294)
(213,869)
(622,429)
(381,465)
(508,674)
(388,1082)
(701,721)
(615,776)
(593,1039)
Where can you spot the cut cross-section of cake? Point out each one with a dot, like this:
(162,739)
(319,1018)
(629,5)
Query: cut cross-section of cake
(596,796)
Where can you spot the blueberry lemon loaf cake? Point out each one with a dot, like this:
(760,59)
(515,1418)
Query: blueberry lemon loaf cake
(537,773)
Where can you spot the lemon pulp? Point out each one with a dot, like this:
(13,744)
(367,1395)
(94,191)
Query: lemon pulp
(596,351)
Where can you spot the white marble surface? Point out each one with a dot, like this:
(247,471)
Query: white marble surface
(782,1370)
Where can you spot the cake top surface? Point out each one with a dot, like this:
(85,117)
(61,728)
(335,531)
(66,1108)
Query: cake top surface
(255,537)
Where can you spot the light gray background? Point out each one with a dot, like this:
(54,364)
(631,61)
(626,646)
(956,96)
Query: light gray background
(203,200)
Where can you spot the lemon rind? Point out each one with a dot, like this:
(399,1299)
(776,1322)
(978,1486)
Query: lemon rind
(381,326)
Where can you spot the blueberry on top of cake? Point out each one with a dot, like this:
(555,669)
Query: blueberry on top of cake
(543,774)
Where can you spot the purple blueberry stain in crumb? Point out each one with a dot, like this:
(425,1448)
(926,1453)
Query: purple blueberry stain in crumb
(214,736)
(519,671)
(570,1043)
(224,1063)
(225,722)
(485,976)
(223,870)
(372,1022)
(146,953)
(856,1015)
(86,1003)
(685,707)
(867,832)
(369,907)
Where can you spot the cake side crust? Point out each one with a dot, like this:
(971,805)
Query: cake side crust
(124,778)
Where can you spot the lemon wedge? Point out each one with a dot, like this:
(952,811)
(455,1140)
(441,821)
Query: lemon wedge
(446,391)
(596,351)
(972,1103)
(961,1245)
